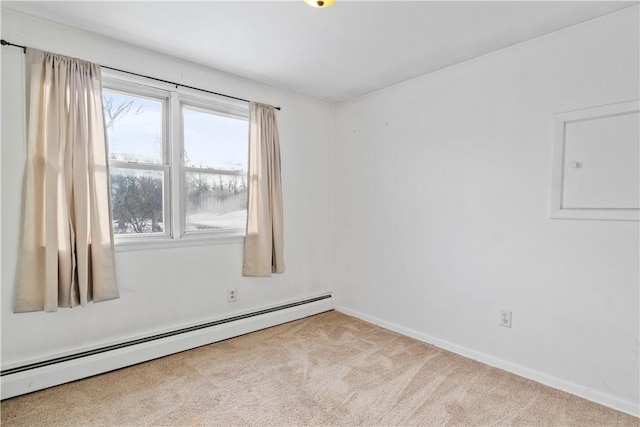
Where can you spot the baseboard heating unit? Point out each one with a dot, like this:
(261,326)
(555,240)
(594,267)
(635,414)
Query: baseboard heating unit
(42,374)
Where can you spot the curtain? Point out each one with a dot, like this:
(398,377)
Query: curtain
(264,242)
(66,254)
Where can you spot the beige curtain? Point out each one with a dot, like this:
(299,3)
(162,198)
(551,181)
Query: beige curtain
(66,254)
(264,243)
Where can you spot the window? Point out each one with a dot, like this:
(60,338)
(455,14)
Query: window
(138,162)
(178,163)
(215,167)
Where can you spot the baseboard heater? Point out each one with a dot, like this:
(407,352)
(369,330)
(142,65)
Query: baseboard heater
(322,306)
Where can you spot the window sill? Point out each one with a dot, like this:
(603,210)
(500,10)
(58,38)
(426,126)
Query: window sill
(168,243)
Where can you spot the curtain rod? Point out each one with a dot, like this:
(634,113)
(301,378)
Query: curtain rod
(24,49)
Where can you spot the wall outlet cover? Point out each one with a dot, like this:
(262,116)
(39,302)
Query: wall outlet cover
(505,318)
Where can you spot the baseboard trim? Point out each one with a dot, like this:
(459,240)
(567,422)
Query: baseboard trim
(64,369)
(596,396)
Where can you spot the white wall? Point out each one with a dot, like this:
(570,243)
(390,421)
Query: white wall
(167,288)
(441,213)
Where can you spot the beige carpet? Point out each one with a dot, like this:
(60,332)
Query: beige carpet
(329,369)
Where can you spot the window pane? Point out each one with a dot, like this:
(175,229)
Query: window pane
(215,202)
(137,201)
(216,142)
(134,127)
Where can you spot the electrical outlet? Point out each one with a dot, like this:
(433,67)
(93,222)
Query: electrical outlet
(505,318)
(232,295)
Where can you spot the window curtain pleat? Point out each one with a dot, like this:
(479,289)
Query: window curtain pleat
(66,255)
(264,241)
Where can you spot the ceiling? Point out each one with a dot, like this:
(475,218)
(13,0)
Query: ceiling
(333,54)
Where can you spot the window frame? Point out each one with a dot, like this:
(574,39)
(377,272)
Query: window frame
(172,165)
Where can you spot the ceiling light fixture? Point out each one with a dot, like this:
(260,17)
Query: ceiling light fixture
(320,3)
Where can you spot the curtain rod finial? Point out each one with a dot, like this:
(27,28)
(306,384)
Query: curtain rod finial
(3,42)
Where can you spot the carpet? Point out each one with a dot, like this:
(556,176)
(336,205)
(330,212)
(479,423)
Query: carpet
(328,369)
